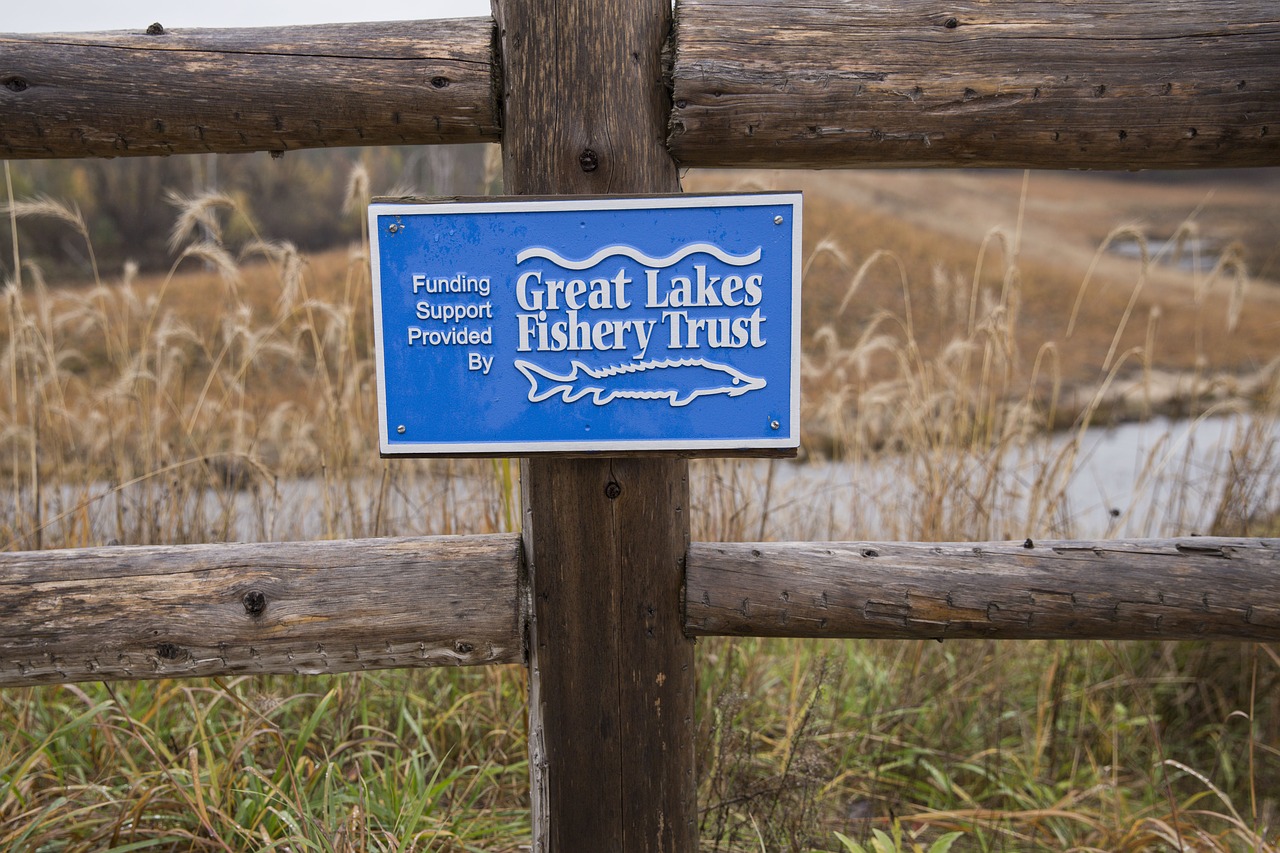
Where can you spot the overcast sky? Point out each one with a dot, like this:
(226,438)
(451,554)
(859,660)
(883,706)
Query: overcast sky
(90,15)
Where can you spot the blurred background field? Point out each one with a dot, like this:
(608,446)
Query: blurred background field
(185,352)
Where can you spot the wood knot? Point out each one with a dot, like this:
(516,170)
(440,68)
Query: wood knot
(16,84)
(463,648)
(169,651)
(589,160)
(440,82)
(612,490)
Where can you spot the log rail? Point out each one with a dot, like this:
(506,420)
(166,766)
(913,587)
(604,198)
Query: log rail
(1096,84)
(124,94)
(1110,84)
(1197,588)
(290,608)
(284,608)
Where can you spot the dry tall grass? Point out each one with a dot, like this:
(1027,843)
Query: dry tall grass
(229,399)
(233,399)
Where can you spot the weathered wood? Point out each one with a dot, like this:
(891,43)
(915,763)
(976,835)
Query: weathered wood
(611,672)
(611,697)
(1102,84)
(1139,589)
(190,91)
(198,610)
(1105,84)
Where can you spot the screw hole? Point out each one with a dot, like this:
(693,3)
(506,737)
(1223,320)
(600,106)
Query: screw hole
(255,602)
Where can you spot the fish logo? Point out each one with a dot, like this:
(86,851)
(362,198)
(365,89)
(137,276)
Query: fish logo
(679,381)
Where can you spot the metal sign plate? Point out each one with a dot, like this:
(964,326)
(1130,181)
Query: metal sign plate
(512,327)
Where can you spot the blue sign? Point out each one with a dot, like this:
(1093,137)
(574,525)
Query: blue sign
(576,325)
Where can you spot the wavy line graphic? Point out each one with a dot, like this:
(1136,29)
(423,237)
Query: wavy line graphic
(637,255)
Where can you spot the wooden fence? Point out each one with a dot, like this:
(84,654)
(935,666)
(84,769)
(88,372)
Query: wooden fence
(324,607)
(603,593)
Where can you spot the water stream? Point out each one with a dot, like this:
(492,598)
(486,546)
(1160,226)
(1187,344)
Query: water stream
(1158,478)
(1152,479)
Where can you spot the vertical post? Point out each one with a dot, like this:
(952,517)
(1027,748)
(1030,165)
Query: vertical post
(611,672)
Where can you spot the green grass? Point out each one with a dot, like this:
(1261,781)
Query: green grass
(181,408)
(404,760)
(1047,746)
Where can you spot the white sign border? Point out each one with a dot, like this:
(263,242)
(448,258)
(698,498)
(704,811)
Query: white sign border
(785,441)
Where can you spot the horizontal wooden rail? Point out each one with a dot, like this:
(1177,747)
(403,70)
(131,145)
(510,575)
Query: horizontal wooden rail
(319,607)
(1157,589)
(191,91)
(1106,84)
(297,608)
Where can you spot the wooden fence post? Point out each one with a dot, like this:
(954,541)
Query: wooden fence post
(611,671)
